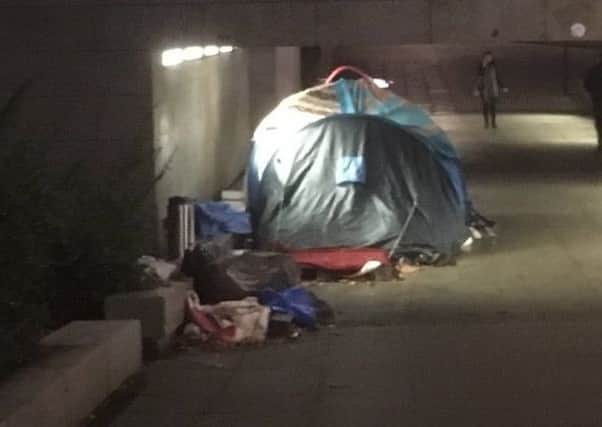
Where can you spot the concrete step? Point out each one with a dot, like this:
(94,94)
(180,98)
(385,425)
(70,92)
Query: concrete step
(80,366)
(160,312)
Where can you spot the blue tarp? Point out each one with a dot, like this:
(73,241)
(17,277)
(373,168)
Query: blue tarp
(355,98)
(217,218)
(296,302)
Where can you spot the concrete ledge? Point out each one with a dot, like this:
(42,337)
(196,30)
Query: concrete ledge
(82,364)
(160,311)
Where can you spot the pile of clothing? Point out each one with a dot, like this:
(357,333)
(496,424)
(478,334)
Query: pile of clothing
(243,296)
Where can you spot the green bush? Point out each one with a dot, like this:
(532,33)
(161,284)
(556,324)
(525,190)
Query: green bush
(69,239)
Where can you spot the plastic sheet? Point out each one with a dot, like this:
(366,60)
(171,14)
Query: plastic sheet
(296,302)
(218,218)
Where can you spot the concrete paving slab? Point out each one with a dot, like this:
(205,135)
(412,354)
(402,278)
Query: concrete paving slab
(510,336)
(509,374)
(33,395)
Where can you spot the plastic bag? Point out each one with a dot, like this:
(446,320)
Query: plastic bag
(295,301)
(221,278)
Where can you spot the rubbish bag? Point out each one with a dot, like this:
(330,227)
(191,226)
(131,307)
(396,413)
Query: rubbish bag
(296,302)
(253,271)
(233,277)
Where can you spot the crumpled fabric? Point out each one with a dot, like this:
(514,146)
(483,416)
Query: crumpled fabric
(296,302)
(234,322)
(339,259)
(155,272)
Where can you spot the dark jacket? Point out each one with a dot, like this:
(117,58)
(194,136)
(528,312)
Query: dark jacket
(593,82)
(489,83)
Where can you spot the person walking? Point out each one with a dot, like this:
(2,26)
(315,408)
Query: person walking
(593,84)
(489,87)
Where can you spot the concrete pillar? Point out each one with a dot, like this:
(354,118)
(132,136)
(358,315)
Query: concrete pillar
(287,76)
(261,81)
(274,73)
(201,113)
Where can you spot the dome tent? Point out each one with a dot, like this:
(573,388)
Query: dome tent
(347,164)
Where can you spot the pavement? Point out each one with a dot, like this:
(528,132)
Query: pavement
(510,336)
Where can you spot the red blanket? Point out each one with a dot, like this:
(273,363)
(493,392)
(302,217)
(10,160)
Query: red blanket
(339,259)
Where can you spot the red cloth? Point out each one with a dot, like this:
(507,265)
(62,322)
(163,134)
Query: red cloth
(208,324)
(339,259)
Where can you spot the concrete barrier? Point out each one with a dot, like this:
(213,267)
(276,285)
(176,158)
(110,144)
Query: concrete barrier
(160,311)
(81,365)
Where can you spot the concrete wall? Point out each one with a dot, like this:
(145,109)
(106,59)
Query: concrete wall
(122,24)
(201,124)
(274,73)
(205,112)
(538,76)
(288,71)
(89,101)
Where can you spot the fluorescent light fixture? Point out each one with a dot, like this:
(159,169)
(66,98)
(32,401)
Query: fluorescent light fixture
(211,50)
(193,52)
(381,83)
(172,57)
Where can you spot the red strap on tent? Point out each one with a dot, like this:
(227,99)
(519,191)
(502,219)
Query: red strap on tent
(342,68)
